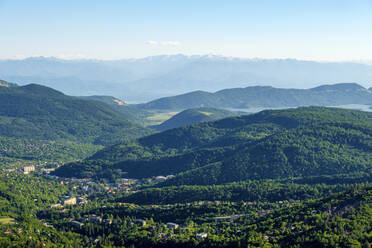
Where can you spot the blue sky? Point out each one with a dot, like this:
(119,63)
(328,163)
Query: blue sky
(332,30)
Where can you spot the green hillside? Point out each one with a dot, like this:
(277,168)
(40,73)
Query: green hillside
(252,190)
(191,116)
(129,111)
(16,152)
(342,220)
(266,96)
(38,112)
(303,142)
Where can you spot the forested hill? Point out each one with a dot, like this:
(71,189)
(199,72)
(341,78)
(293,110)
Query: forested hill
(128,111)
(266,96)
(191,116)
(38,112)
(302,142)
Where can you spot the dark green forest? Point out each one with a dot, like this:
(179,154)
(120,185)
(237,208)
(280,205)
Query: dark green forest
(273,144)
(38,112)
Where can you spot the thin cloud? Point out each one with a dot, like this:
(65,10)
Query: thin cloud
(71,56)
(152,43)
(170,43)
(163,43)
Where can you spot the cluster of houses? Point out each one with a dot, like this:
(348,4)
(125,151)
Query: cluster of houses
(158,179)
(69,201)
(202,235)
(172,226)
(230,218)
(90,219)
(89,186)
(31,168)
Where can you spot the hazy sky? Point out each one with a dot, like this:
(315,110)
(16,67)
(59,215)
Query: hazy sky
(109,29)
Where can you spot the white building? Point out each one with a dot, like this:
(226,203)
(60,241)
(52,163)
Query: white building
(69,201)
(202,235)
(28,169)
(172,225)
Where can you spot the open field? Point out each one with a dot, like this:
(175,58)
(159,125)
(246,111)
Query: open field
(206,113)
(159,117)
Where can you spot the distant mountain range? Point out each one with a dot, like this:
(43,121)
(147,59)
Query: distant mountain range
(38,112)
(272,144)
(153,77)
(267,97)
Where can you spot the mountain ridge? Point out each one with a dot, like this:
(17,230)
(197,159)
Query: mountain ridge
(267,96)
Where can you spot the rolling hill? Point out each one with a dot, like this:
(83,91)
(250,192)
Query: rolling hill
(268,97)
(302,142)
(38,112)
(191,116)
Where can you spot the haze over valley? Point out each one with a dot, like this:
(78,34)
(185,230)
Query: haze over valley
(145,79)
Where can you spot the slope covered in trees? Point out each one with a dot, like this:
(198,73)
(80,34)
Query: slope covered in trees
(255,190)
(30,151)
(129,111)
(38,112)
(21,197)
(303,142)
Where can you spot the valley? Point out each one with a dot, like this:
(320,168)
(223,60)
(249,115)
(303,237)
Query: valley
(186,124)
(201,177)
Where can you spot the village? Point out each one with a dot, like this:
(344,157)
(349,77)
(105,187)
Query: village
(81,195)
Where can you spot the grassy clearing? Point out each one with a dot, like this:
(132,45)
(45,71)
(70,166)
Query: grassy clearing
(6,220)
(206,113)
(160,117)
